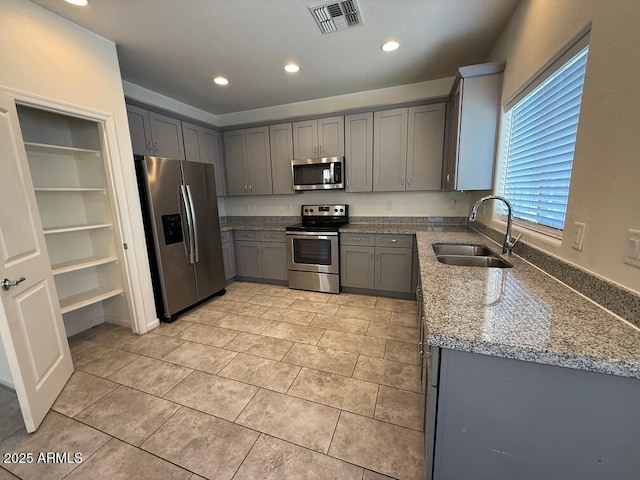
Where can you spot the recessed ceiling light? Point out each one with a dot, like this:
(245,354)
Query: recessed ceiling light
(390,46)
(221,81)
(291,68)
(78,3)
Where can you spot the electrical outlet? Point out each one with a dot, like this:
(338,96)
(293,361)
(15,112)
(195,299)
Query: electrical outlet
(247,208)
(578,235)
(633,248)
(389,205)
(287,207)
(452,203)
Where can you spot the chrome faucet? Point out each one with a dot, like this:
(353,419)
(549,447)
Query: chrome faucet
(509,242)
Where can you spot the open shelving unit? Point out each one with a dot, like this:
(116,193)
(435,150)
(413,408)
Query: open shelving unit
(74,198)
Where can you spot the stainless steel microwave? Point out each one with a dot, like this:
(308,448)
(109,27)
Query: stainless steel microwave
(318,173)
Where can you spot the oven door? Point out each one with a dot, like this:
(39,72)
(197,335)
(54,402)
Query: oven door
(313,252)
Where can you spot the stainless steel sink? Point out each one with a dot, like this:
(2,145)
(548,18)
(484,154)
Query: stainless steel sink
(472,250)
(471,261)
(468,255)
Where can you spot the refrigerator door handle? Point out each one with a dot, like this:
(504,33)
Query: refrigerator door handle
(194,224)
(187,211)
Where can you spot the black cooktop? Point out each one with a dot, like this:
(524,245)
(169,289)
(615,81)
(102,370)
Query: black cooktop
(306,227)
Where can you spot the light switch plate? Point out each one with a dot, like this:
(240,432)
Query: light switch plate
(578,235)
(633,248)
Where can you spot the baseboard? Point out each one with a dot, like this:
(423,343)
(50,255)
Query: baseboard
(7,382)
(261,280)
(122,322)
(379,293)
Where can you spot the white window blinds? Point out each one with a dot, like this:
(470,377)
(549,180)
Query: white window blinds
(540,135)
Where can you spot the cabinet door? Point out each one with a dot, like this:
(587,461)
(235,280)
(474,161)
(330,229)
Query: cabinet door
(425,141)
(248,259)
(331,137)
(191,135)
(358,136)
(393,269)
(274,260)
(258,163)
(167,136)
(281,155)
(451,153)
(229,260)
(234,153)
(140,130)
(389,150)
(356,266)
(210,153)
(305,139)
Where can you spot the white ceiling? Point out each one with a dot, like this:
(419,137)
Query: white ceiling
(176,47)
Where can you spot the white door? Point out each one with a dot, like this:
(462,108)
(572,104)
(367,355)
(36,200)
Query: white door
(31,324)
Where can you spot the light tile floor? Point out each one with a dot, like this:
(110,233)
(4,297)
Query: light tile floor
(261,383)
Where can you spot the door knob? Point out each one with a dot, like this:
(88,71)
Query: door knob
(7,284)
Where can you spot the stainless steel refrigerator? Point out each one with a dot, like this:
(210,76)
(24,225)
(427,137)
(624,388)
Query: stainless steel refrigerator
(180,213)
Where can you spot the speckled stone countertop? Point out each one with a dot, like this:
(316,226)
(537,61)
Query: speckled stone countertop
(520,313)
(399,228)
(263,226)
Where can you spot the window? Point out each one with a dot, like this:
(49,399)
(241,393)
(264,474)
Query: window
(540,127)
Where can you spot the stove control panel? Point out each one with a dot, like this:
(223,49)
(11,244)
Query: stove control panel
(324,210)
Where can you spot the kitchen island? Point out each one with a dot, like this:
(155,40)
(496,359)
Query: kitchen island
(527,378)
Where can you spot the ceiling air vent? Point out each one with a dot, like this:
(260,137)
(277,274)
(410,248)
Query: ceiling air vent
(335,16)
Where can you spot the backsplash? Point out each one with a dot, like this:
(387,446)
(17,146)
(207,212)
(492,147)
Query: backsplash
(615,298)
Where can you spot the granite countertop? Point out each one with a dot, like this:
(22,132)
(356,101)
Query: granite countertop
(400,228)
(520,313)
(262,226)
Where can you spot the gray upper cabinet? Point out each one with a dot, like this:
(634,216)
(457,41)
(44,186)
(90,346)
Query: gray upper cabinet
(203,145)
(472,128)
(408,148)
(155,134)
(140,130)
(248,161)
(319,138)
(281,137)
(390,150)
(425,145)
(358,145)
(166,133)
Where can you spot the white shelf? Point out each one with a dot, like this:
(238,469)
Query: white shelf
(70,189)
(44,147)
(80,264)
(81,300)
(76,228)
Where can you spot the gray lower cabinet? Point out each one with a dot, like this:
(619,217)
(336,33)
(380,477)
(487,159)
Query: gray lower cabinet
(393,269)
(228,255)
(249,259)
(499,418)
(357,266)
(274,261)
(261,255)
(377,262)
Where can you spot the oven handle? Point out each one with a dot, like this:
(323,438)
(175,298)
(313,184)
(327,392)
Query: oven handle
(323,236)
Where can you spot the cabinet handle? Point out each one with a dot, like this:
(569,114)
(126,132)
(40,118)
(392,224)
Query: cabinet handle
(319,148)
(245,188)
(371,256)
(393,240)
(378,258)
(155,147)
(314,149)
(149,146)
(448,177)
(347,183)
(402,181)
(250,188)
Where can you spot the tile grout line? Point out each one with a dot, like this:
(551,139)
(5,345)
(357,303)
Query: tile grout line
(246,456)
(334,431)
